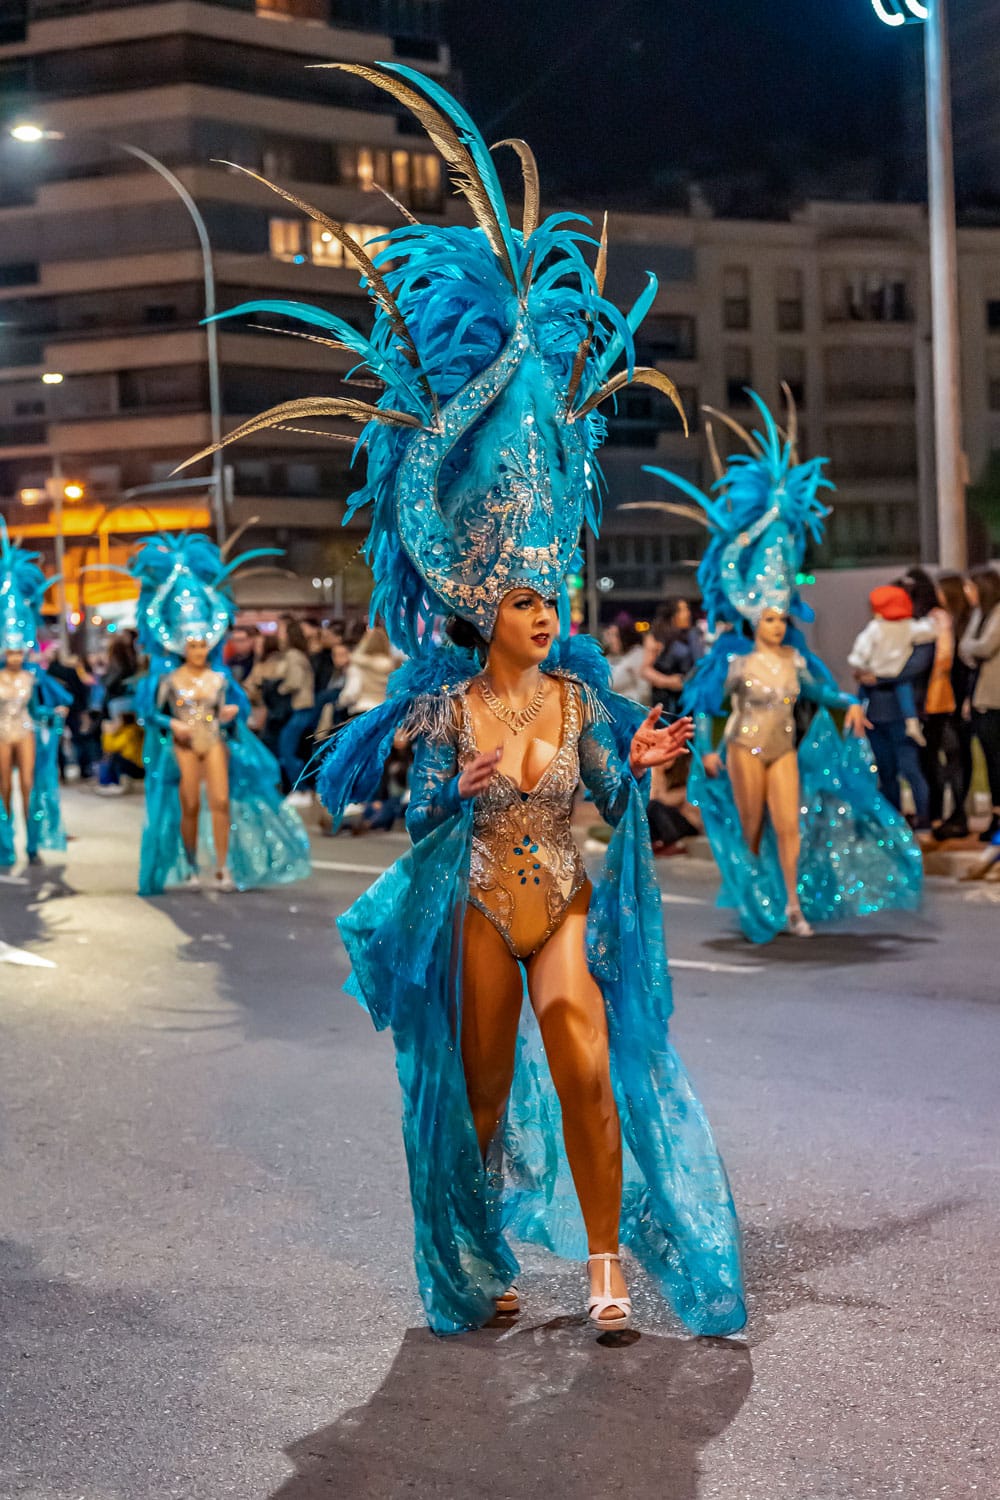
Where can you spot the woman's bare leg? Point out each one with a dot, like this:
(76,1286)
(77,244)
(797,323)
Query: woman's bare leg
(573,1021)
(216,772)
(748,777)
(491,1009)
(190,768)
(6,775)
(24,759)
(783,805)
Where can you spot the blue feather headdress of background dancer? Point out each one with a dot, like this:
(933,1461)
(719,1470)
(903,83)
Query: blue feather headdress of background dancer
(23,586)
(496,347)
(764,508)
(182,592)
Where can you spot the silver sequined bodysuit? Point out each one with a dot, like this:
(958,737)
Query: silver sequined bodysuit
(197,705)
(764,688)
(526,866)
(16,689)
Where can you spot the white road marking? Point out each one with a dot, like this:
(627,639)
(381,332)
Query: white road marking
(713,968)
(13,880)
(346,869)
(670,898)
(21,956)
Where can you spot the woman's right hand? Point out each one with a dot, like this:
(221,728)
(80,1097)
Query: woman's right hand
(180,731)
(712,763)
(478,773)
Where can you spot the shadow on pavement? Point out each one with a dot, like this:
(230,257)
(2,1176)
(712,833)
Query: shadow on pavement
(779,1256)
(830,947)
(541,1411)
(25,895)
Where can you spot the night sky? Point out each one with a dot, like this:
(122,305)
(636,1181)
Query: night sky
(627,100)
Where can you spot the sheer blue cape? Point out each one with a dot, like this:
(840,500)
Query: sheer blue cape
(403,939)
(268,843)
(859,854)
(45,825)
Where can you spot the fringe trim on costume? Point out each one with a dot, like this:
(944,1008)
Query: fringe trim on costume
(433,716)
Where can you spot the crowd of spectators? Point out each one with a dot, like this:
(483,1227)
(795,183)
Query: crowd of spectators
(927,667)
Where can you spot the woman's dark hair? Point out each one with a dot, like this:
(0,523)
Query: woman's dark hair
(121,655)
(269,645)
(628,635)
(663,627)
(922,589)
(466,636)
(295,636)
(956,601)
(987,581)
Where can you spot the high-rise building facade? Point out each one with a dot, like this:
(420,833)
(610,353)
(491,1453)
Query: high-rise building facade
(101,276)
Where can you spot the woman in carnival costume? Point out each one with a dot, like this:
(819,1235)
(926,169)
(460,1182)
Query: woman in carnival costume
(800,833)
(517,992)
(197,744)
(30,721)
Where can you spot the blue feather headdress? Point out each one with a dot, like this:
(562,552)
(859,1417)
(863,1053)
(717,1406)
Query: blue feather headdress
(22,587)
(182,592)
(495,346)
(766,508)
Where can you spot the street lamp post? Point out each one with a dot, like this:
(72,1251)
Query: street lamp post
(950,468)
(31,134)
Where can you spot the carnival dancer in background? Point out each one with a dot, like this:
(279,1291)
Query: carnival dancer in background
(31,707)
(200,755)
(496,347)
(799,831)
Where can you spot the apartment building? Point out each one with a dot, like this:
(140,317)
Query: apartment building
(835,303)
(101,284)
(101,276)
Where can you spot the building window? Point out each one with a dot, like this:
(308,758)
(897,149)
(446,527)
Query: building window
(326,250)
(413,176)
(288,240)
(993,316)
(294,10)
(789,305)
(19,273)
(163,386)
(875,451)
(666,338)
(642,414)
(736,298)
(792,372)
(739,375)
(160,312)
(866,296)
(857,373)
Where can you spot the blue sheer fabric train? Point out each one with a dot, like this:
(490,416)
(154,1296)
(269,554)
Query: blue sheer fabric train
(402,936)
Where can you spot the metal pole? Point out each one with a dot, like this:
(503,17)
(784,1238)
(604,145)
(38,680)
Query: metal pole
(211,331)
(59,541)
(590,554)
(949,458)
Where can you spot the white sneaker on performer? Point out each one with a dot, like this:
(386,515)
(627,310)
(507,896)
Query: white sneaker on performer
(222,881)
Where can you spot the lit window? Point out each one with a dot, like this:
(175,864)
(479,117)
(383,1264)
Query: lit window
(425,181)
(326,249)
(401,173)
(287,240)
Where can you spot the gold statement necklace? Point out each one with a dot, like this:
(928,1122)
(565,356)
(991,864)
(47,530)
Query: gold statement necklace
(516,719)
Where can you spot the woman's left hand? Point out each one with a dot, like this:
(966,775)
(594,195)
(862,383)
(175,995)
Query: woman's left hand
(856,720)
(228,712)
(659,747)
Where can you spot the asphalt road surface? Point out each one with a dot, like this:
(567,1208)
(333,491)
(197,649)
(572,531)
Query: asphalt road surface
(205,1239)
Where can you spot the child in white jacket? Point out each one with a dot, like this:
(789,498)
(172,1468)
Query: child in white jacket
(885,645)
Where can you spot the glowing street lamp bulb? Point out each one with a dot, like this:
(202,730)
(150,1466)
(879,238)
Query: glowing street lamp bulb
(317,583)
(29,134)
(52,377)
(890,17)
(328,583)
(73,492)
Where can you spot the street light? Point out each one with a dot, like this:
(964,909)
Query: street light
(30,133)
(950,469)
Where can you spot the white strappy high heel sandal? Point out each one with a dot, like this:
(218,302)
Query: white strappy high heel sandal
(597,1305)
